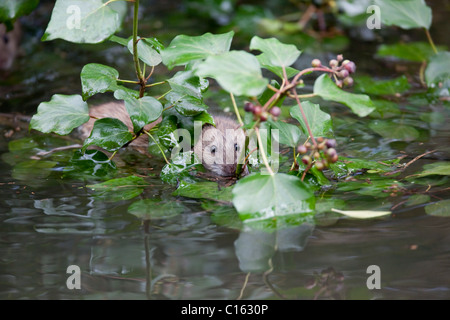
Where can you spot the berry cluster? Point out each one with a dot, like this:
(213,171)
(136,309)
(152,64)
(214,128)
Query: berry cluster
(259,113)
(320,155)
(341,72)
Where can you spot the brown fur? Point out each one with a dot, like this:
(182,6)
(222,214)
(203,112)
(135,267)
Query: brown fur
(9,45)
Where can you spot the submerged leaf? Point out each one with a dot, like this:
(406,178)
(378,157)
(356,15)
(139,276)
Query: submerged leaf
(392,130)
(440,208)
(204,190)
(120,188)
(152,209)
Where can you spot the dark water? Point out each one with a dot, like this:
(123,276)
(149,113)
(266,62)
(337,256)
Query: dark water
(48,223)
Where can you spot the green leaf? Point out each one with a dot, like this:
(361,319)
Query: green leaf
(319,121)
(348,166)
(360,104)
(438,68)
(152,209)
(414,51)
(368,85)
(143,111)
(32,170)
(237,72)
(120,188)
(97,78)
(362,214)
(406,14)
(13,9)
(260,197)
(108,133)
(392,130)
(437,168)
(83,21)
(277,54)
(186,83)
(60,115)
(147,51)
(264,61)
(183,48)
(185,104)
(289,134)
(440,208)
(92,163)
(179,167)
(204,190)
(417,199)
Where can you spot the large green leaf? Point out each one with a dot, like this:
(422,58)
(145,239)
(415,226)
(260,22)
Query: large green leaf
(319,121)
(289,134)
(265,63)
(369,85)
(183,48)
(108,133)
(186,83)
(440,208)
(97,78)
(143,111)
(92,163)
(414,51)
(82,21)
(436,168)
(393,130)
(406,14)
(13,9)
(152,209)
(260,197)
(238,72)
(360,104)
(60,115)
(119,189)
(146,51)
(438,68)
(275,53)
(185,104)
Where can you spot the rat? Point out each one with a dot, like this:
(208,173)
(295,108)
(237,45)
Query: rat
(218,148)
(9,45)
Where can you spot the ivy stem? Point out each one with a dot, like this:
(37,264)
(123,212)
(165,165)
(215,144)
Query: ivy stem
(163,95)
(294,81)
(128,81)
(135,50)
(112,156)
(233,101)
(430,40)
(155,84)
(159,147)
(304,117)
(263,153)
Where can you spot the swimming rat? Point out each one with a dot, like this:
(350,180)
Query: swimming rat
(218,147)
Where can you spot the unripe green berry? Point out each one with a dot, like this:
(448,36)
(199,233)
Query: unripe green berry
(319,165)
(348,81)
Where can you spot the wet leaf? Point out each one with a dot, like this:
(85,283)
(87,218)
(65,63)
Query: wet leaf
(13,9)
(405,14)
(108,133)
(179,167)
(33,170)
(183,48)
(186,83)
(319,121)
(82,21)
(392,130)
(143,111)
(60,115)
(437,168)
(147,51)
(360,104)
(238,72)
(92,163)
(204,190)
(119,189)
(289,134)
(414,51)
(185,104)
(152,209)
(368,85)
(438,68)
(97,78)
(440,208)
(274,52)
(362,214)
(347,166)
(260,197)
(417,199)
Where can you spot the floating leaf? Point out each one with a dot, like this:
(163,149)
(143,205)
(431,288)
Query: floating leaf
(347,166)
(438,68)
(120,188)
(152,209)
(417,199)
(440,208)
(414,51)
(360,104)
(185,104)
(204,190)
(362,214)
(319,121)
(108,133)
(60,115)
(32,170)
(13,9)
(83,21)
(260,197)
(143,111)
(437,168)
(289,134)
(405,14)
(97,78)
(391,130)
(146,51)
(237,72)
(274,52)
(183,48)
(368,85)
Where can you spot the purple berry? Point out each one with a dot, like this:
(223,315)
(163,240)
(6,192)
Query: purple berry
(331,143)
(275,111)
(249,107)
(350,67)
(306,160)
(302,149)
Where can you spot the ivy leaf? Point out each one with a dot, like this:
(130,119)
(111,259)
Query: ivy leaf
(275,54)
(179,167)
(391,130)
(414,51)
(367,85)
(83,21)
(405,14)
(183,48)
(438,68)
(97,78)
(143,111)
(238,72)
(186,83)
(264,61)
(289,134)
(185,104)
(261,197)
(88,164)
(13,9)
(147,51)
(436,168)
(108,133)
(152,209)
(440,208)
(204,190)
(360,104)
(60,115)
(119,189)
(319,121)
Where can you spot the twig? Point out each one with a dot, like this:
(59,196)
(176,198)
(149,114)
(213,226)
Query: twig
(408,164)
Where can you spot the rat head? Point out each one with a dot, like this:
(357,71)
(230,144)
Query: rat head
(219,149)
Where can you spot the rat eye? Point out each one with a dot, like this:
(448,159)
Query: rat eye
(5,39)
(236,147)
(213,149)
